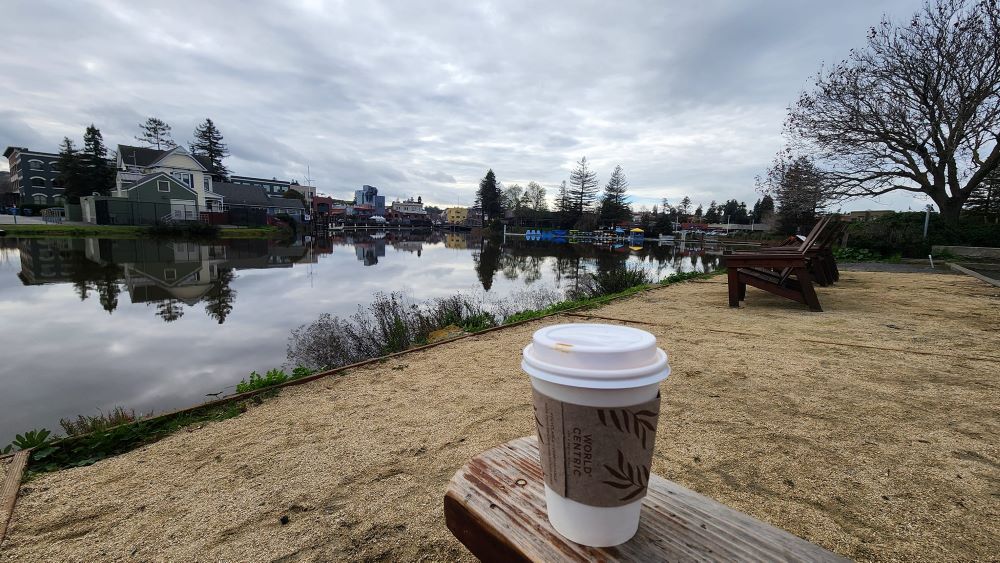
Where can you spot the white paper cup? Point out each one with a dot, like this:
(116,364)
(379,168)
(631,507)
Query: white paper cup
(594,365)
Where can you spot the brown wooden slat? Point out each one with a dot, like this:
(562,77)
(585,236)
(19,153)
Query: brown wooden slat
(11,485)
(495,505)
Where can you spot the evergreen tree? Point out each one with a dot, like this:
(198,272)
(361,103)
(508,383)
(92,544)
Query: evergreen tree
(564,207)
(583,189)
(685,207)
(98,173)
(169,310)
(489,198)
(614,202)
(155,133)
(208,143)
(220,298)
(712,213)
(698,213)
(763,211)
(72,174)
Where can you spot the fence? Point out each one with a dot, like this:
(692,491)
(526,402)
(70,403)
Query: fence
(119,211)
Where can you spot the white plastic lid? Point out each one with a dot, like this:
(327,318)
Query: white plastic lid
(595,356)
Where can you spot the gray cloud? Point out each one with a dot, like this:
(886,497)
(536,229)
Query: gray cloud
(422,98)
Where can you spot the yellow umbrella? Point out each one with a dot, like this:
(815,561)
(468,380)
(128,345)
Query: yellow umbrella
(636,230)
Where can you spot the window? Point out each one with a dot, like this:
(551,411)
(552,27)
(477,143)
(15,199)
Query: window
(40,199)
(38,182)
(162,186)
(54,166)
(206,182)
(169,274)
(59,200)
(35,165)
(183,177)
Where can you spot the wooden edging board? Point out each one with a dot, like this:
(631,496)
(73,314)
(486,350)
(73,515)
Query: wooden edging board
(974,274)
(334,371)
(11,486)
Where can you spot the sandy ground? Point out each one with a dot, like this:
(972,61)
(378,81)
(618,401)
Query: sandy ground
(870,429)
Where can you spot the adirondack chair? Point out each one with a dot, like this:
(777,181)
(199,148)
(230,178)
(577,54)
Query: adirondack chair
(823,265)
(781,272)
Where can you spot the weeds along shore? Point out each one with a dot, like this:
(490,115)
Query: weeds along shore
(391,324)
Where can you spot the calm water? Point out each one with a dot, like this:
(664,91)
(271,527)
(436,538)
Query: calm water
(90,324)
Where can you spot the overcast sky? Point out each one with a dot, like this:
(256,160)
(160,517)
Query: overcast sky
(420,98)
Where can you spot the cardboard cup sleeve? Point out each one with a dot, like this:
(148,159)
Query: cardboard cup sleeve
(598,456)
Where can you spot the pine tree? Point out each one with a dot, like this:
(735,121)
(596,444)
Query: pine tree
(72,175)
(712,213)
(685,207)
(489,198)
(583,189)
(98,173)
(564,207)
(614,202)
(699,212)
(220,298)
(155,133)
(208,143)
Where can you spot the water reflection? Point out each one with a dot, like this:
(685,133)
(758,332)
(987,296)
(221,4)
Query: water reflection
(152,325)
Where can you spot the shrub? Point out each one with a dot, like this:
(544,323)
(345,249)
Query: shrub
(86,424)
(30,439)
(903,233)
(618,280)
(257,381)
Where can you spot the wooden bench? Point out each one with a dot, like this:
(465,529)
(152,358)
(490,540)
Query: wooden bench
(495,505)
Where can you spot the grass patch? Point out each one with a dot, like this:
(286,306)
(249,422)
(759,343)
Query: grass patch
(87,449)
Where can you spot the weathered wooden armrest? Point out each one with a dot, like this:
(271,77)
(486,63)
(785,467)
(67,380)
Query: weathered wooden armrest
(495,505)
(764,260)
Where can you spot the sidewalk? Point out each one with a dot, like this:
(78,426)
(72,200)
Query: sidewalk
(868,429)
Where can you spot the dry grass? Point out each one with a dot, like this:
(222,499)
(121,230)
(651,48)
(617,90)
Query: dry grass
(869,429)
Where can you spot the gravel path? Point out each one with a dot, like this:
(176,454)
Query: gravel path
(869,429)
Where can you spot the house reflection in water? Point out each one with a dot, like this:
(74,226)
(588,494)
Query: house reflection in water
(166,274)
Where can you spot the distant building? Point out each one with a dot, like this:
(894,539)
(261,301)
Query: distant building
(409,210)
(456,215)
(33,177)
(368,195)
(272,186)
(867,215)
(256,197)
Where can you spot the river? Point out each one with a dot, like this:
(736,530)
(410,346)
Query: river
(90,324)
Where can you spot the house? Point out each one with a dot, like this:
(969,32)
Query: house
(33,178)
(137,164)
(146,200)
(456,215)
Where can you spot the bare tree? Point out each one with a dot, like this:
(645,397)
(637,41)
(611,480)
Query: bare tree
(536,197)
(917,109)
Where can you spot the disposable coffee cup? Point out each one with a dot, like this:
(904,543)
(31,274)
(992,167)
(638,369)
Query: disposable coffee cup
(596,397)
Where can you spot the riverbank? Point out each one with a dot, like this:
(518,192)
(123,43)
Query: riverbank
(844,428)
(116,231)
